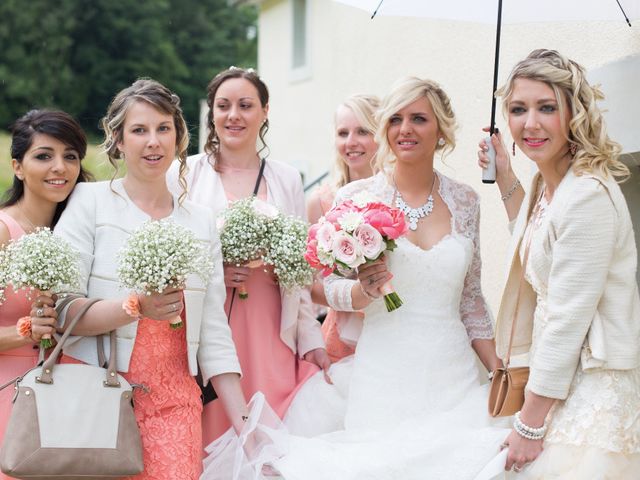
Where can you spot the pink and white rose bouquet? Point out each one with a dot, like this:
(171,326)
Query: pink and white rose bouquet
(353,233)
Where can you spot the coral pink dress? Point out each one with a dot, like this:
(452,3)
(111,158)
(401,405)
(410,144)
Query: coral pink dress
(169,415)
(17,361)
(268,365)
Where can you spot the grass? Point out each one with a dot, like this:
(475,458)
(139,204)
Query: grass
(95,162)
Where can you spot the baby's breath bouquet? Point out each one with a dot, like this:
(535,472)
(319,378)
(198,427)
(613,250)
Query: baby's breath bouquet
(253,233)
(287,246)
(41,262)
(244,233)
(159,255)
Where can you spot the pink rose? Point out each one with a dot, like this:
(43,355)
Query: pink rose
(346,249)
(371,242)
(338,211)
(324,236)
(390,222)
(313,230)
(311,255)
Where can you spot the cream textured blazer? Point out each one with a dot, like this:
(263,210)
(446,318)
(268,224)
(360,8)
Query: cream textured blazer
(299,329)
(97,223)
(584,252)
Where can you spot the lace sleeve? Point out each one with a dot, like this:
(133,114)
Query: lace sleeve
(465,208)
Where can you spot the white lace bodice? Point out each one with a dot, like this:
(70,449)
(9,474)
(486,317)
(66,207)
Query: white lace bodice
(464,206)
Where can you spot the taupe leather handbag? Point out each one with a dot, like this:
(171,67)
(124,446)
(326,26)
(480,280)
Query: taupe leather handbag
(72,422)
(506,394)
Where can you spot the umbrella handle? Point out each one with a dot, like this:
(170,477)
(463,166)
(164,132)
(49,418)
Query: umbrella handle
(489,173)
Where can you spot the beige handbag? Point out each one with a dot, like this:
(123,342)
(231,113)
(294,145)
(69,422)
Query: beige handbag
(71,421)
(506,394)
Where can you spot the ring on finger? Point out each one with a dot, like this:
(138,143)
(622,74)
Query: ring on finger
(517,468)
(40,312)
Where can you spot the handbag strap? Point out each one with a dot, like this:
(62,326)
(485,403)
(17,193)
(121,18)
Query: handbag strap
(525,260)
(46,376)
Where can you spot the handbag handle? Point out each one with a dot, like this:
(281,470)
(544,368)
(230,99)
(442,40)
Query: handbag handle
(525,260)
(46,376)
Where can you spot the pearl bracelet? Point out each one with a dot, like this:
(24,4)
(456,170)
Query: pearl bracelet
(525,431)
(511,190)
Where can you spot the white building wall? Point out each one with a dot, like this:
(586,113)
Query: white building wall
(349,53)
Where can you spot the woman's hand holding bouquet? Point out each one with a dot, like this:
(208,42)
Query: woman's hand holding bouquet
(353,233)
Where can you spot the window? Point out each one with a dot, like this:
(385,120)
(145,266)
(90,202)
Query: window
(300,40)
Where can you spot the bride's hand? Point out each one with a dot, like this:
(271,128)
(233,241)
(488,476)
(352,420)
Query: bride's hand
(372,276)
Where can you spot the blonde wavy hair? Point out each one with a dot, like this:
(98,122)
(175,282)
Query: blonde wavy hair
(403,93)
(364,108)
(596,153)
(161,98)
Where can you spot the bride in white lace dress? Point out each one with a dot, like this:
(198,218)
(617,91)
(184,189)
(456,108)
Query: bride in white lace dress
(410,403)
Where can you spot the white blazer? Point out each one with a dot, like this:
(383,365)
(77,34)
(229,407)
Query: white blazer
(299,329)
(587,260)
(97,222)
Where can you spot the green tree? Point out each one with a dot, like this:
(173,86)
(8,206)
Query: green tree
(76,54)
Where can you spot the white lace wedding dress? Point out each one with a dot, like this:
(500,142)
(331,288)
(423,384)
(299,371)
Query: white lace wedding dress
(409,404)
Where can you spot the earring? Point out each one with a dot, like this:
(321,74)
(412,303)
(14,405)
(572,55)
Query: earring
(441,142)
(573,148)
(513,149)
(20,177)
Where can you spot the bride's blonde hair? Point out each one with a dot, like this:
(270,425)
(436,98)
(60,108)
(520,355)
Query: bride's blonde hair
(403,93)
(595,153)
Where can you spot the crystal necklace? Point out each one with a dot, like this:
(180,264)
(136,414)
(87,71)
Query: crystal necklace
(33,227)
(415,214)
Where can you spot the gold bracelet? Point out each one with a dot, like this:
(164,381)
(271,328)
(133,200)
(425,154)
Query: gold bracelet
(510,192)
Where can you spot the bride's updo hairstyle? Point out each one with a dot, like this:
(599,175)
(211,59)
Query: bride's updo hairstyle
(403,93)
(595,153)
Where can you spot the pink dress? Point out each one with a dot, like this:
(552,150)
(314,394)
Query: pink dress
(336,348)
(268,365)
(17,361)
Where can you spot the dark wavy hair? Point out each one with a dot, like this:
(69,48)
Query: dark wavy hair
(212,145)
(55,123)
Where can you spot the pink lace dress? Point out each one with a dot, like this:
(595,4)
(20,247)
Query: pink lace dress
(169,415)
(17,361)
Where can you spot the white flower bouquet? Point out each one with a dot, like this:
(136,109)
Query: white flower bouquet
(41,262)
(159,255)
(3,274)
(254,233)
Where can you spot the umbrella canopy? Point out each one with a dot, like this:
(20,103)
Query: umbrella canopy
(507,11)
(514,11)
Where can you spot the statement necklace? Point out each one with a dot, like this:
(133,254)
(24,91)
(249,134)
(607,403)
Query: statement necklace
(415,214)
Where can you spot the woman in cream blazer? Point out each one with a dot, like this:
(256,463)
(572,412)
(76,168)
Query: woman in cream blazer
(277,337)
(578,316)
(145,128)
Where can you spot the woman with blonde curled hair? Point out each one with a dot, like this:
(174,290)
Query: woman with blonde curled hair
(145,129)
(355,126)
(579,312)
